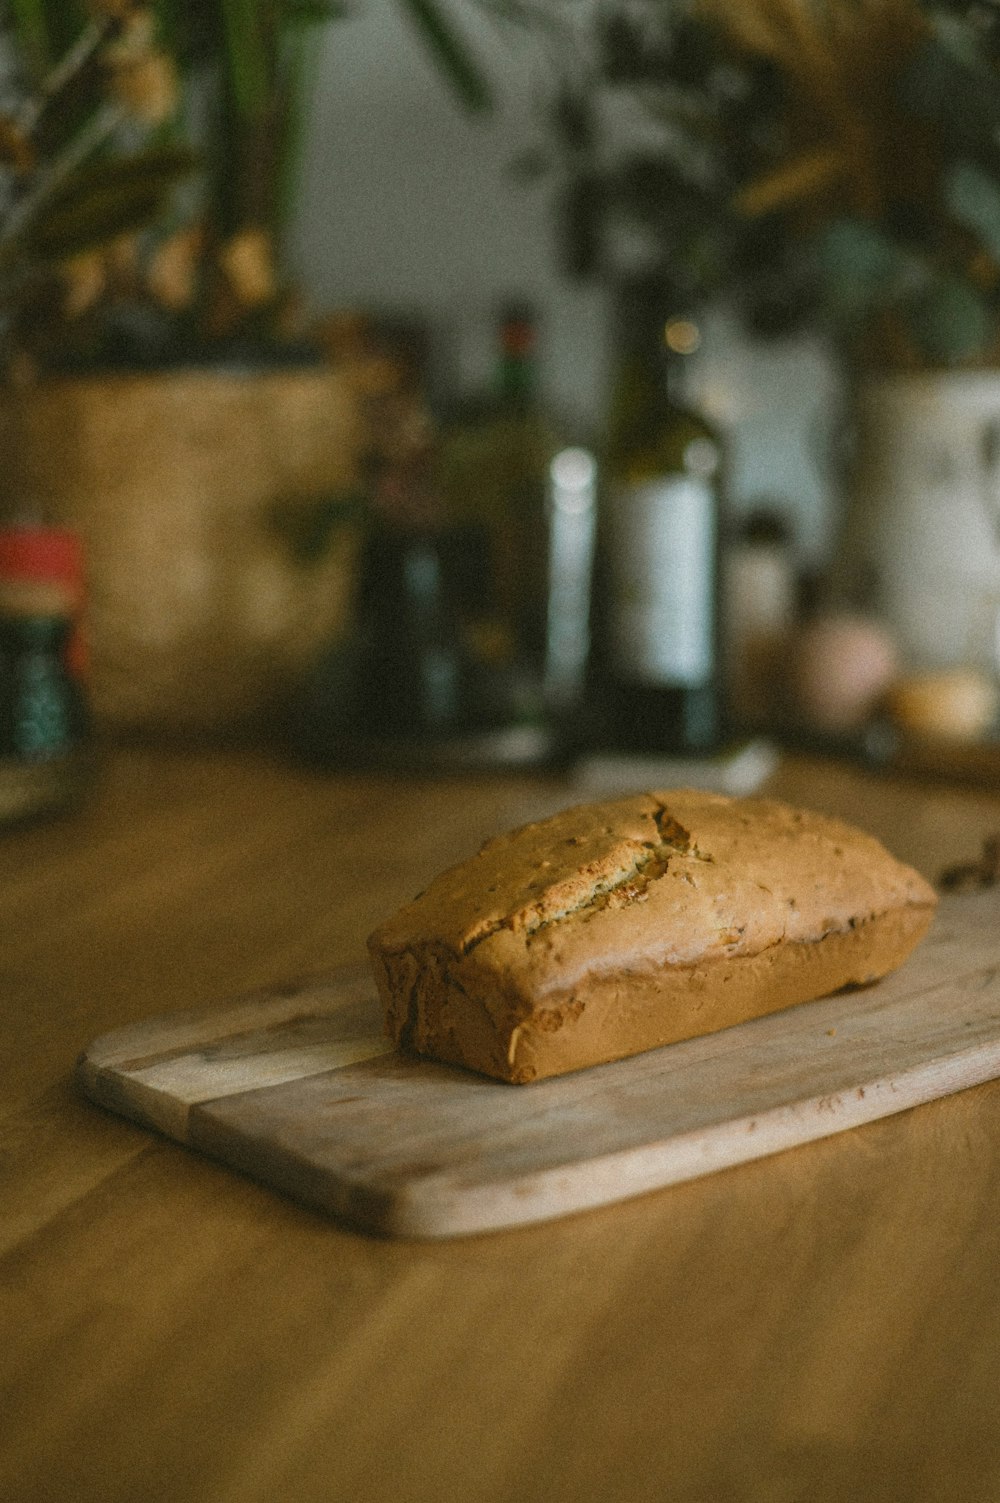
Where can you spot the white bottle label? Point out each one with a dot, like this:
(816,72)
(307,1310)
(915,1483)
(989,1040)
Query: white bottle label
(662,547)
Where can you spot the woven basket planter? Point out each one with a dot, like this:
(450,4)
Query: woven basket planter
(199,615)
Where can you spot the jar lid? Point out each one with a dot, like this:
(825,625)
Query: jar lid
(41,554)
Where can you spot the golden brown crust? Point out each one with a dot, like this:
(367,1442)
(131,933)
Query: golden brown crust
(613,928)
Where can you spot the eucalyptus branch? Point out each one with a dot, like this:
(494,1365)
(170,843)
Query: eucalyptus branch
(102,124)
(91,38)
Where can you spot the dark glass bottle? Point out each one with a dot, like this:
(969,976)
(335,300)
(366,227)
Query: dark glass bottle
(512,480)
(394,690)
(410,684)
(468,637)
(44,721)
(492,456)
(656,671)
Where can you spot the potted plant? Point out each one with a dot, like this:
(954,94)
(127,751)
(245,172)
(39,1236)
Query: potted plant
(830,166)
(84,163)
(173,398)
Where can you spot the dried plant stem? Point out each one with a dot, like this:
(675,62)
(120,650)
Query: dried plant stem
(823,47)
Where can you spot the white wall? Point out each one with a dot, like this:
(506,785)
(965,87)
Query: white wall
(409,204)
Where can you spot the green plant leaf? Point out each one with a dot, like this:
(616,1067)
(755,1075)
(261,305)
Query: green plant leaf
(950,321)
(108,198)
(29,21)
(451,52)
(973,196)
(191,30)
(316,12)
(949,86)
(250,56)
(960,41)
(157,168)
(859,267)
(88,222)
(300,67)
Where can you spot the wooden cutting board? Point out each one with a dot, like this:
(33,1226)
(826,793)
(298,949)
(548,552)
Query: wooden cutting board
(298,1088)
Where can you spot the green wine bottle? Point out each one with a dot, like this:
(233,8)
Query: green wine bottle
(656,659)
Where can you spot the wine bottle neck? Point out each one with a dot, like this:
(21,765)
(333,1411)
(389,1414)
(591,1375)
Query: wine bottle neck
(655,341)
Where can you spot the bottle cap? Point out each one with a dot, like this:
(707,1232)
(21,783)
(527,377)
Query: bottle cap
(41,554)
(518,328)
(41,574)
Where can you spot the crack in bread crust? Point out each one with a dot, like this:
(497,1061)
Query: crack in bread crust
(629,885)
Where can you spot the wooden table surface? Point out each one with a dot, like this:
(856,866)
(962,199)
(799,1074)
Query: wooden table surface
(821,1325)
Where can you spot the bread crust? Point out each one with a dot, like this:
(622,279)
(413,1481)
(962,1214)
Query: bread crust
(618,927)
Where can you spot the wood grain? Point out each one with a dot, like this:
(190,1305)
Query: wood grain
(300,1090)
(818,1325)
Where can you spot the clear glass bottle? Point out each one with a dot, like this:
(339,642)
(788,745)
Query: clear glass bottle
(656,671)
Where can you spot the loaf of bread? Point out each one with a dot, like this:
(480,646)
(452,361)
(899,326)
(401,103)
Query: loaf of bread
(617,927)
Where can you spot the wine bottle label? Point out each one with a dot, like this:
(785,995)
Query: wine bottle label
(662,567)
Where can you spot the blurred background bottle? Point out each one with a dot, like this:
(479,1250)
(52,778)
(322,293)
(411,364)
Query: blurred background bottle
(392,687)
(44,722)
(520,498)
(469,639)
(656,679)
(760,603)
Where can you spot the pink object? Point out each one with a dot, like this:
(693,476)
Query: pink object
(842,667)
